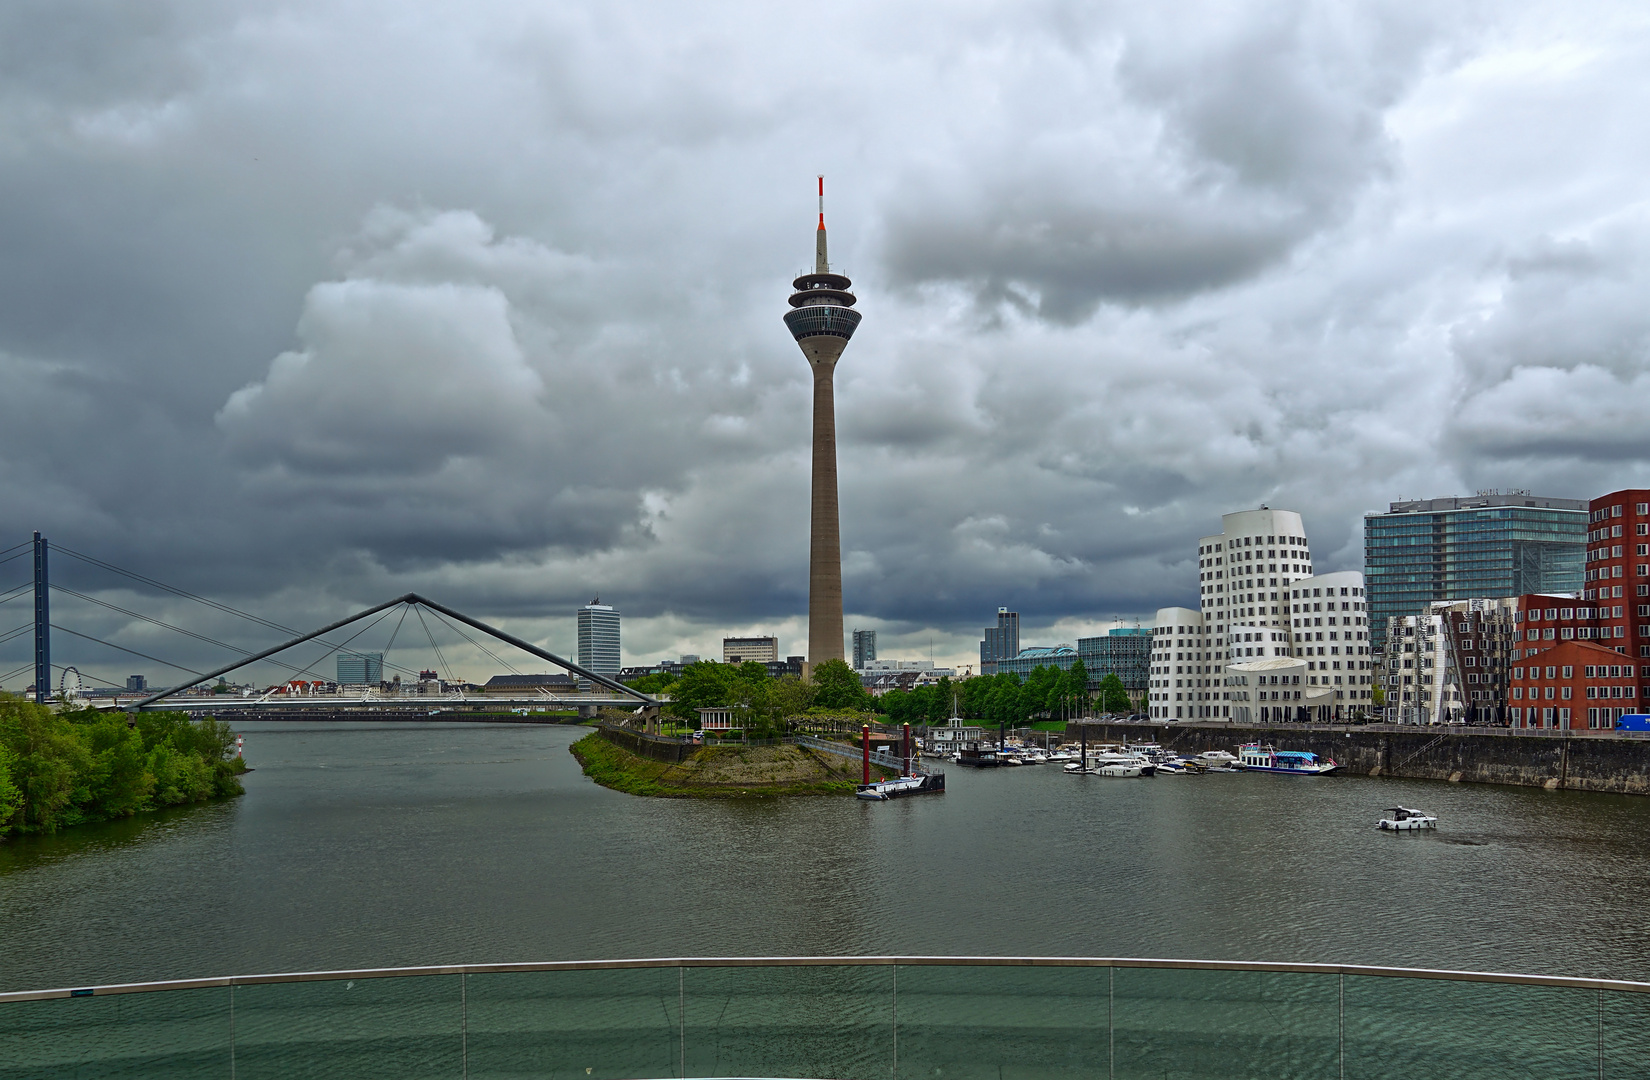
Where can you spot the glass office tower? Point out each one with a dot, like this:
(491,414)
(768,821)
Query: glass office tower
(1489,545)
(598,640)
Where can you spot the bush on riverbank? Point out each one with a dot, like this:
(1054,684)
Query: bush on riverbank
(61,769)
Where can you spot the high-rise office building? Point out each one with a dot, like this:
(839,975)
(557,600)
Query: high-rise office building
(865,647)
(741,650)
(1425,550)
(360,668)
(598,640)
(822,319)
(1001,642)
(1270,639)
(137,682)
(1124,652)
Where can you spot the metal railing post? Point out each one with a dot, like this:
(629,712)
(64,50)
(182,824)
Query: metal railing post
(1111,1022)
(893,1018)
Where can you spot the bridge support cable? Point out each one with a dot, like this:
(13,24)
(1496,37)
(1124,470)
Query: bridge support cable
(440,658)
(237,649)
(175,591)
(9,634)
(495,657)
(382,611)
(124,649)
(185,594)
(331,648)
(527,647)
(266,653)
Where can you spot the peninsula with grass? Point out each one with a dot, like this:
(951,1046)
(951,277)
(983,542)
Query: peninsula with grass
(750,760)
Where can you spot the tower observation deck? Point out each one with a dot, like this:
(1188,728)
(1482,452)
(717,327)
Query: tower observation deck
(822,319)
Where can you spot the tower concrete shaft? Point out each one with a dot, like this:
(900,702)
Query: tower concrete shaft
(822,319)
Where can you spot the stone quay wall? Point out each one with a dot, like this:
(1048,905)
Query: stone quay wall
(1574,761)
(656,747)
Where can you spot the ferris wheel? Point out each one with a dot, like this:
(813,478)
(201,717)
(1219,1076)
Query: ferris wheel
(70,684)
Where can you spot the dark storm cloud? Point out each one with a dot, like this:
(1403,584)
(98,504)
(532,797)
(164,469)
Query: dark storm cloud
(306,305)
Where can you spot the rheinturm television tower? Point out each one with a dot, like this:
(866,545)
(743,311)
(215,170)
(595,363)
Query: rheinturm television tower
(822,319)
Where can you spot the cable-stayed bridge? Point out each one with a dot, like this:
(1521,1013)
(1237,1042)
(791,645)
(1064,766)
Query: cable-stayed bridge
(295,696)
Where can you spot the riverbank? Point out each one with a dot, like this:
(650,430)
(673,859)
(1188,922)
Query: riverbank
(719,772)
(80,766)
(1600,761)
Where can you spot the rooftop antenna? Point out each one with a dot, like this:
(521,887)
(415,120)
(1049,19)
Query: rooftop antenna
(822,265)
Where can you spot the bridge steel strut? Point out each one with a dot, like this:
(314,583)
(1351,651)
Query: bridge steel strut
(407,598)
(42,623)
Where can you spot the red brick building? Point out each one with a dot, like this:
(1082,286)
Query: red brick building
(1575,685)
(1618,570)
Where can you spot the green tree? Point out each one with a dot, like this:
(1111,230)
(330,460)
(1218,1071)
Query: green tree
(656,683)
(1113,698)
(1079,687)
(837,687)
(48,763)
(704,685)
(11,796)
(59,769)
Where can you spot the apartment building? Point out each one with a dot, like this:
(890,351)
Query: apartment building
(1270,639)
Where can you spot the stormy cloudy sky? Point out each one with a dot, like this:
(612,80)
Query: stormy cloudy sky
(303,305)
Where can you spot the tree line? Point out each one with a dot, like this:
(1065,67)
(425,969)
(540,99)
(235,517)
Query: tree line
(760,702)
(64,768)
(1048,693)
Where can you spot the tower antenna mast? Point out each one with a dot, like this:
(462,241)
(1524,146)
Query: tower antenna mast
(822,319)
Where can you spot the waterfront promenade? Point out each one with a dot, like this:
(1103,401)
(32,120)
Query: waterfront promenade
(1601,761)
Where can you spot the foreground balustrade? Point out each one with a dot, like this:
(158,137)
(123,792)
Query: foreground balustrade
(934,1018)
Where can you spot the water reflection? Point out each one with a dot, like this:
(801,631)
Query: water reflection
(373,846)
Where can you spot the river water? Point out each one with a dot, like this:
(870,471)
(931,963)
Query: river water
(380,846)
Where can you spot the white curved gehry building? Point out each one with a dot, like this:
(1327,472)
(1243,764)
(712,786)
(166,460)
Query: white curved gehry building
(1269,640)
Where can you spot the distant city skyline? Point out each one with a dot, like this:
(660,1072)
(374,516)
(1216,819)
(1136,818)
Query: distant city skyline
(414,316)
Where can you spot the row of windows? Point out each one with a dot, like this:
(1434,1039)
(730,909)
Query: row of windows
(1254,541)
(1538,692)
(1590,671)
(1641,509)
(1595,535)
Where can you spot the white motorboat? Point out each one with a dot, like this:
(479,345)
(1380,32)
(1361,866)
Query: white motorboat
(1219,760)
(896,787)
(1403,819)
(1060,757)
(1124,765)
(1034,757)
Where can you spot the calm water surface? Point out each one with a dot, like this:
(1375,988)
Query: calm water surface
(378,846)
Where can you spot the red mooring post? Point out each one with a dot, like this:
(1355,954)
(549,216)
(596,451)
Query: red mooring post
(907,769)
(865,748)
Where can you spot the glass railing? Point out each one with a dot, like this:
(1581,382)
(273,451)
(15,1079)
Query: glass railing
(905,1018)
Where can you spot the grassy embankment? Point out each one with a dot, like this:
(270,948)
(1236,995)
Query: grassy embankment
(720,772)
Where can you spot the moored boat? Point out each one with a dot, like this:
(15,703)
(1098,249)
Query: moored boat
(976,756)
(1256,757)
(900,786)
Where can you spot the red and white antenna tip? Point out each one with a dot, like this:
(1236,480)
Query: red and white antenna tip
(822,202)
